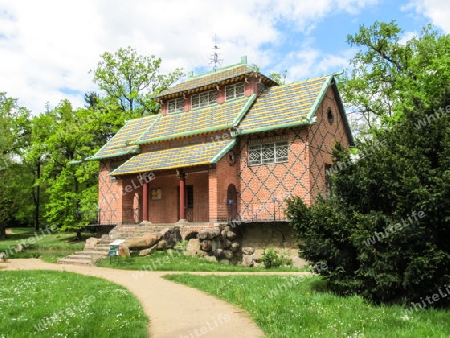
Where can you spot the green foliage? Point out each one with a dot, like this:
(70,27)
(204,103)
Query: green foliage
(273,259)
(388,77)
(372,199)
(130,80)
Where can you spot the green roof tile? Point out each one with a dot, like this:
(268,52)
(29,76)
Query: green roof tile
(197,121)
(123,142)
(284,106)
(172,158)
(208,79)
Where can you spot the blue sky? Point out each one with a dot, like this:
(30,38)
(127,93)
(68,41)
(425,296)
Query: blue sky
(48,47)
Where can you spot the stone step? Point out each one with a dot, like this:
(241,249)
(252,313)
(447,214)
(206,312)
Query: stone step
(100,248)
(78,256)
(92,253)
(75,261)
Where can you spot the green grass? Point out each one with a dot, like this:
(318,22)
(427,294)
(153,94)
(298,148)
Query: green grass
(65,304)
(47,246)
(288,306)
(176,261)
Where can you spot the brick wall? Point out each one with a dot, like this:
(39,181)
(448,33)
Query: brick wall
(164,210)
(265,187)
(220,178)
(109,195)
(322,137)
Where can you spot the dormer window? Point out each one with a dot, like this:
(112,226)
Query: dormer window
(234,91)
(175,105)
(204,99)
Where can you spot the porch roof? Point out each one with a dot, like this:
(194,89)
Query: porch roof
(174,158)
(123,142)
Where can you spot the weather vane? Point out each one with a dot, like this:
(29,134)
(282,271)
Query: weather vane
(215,59)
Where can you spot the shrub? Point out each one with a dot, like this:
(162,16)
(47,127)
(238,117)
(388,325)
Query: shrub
(368,232)
(272,259)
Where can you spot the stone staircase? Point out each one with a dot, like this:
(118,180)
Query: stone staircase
(93,253)
(90,255)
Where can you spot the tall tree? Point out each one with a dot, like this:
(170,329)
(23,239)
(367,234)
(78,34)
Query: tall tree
(130,80)
(389,76)
(15,185)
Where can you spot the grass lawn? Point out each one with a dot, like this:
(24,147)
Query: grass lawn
(177,261)
(65,304)
(45,245)
(288,306)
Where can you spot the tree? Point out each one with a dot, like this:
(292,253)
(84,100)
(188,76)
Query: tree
(384,234)
(73,136)
(130,80)
(15,184)
(389,77)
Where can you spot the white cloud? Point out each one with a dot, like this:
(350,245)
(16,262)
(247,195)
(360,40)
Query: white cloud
(437,10)
(48,45)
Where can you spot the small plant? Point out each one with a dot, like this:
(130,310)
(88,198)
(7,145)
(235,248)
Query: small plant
(272,259)
(181,246)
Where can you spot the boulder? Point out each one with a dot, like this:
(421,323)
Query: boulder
(124,251)
(209,233)
(226,243)
(235,246)
(248,250)
(91,243)
(231,235)
(147,240)
(215,244)
(19,248)
(3,258)
(247,260)
(210,258)
(227,254)
(206,245)
(148,251)
(225,261)
(193,247)
(218,253)
(162,245)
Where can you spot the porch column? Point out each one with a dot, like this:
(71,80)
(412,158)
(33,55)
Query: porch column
(145,202)
(182,181)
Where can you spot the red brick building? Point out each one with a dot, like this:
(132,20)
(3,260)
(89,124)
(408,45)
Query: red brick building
(228,144)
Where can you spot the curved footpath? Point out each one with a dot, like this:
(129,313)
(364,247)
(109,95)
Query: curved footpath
(175,311)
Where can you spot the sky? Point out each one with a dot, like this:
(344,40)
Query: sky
(49,47)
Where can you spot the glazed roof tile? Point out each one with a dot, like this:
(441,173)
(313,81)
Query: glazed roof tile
(193,155)
(285,106)
(208,79)
(123,142)
(197,121)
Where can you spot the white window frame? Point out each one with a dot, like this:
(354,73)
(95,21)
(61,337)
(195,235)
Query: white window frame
(234,94)
(210,96)
(179,105)
(268,153)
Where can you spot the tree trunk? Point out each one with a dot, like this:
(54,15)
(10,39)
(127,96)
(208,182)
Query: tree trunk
(37,197)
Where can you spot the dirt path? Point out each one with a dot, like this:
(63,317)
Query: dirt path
(175,311)
(8,231)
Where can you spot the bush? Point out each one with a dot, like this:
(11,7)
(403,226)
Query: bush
(370,233)
(272,259)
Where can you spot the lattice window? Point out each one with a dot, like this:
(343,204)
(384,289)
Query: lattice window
(234,91)
(281,152)
(268,153)
(204,99)
(175,105)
